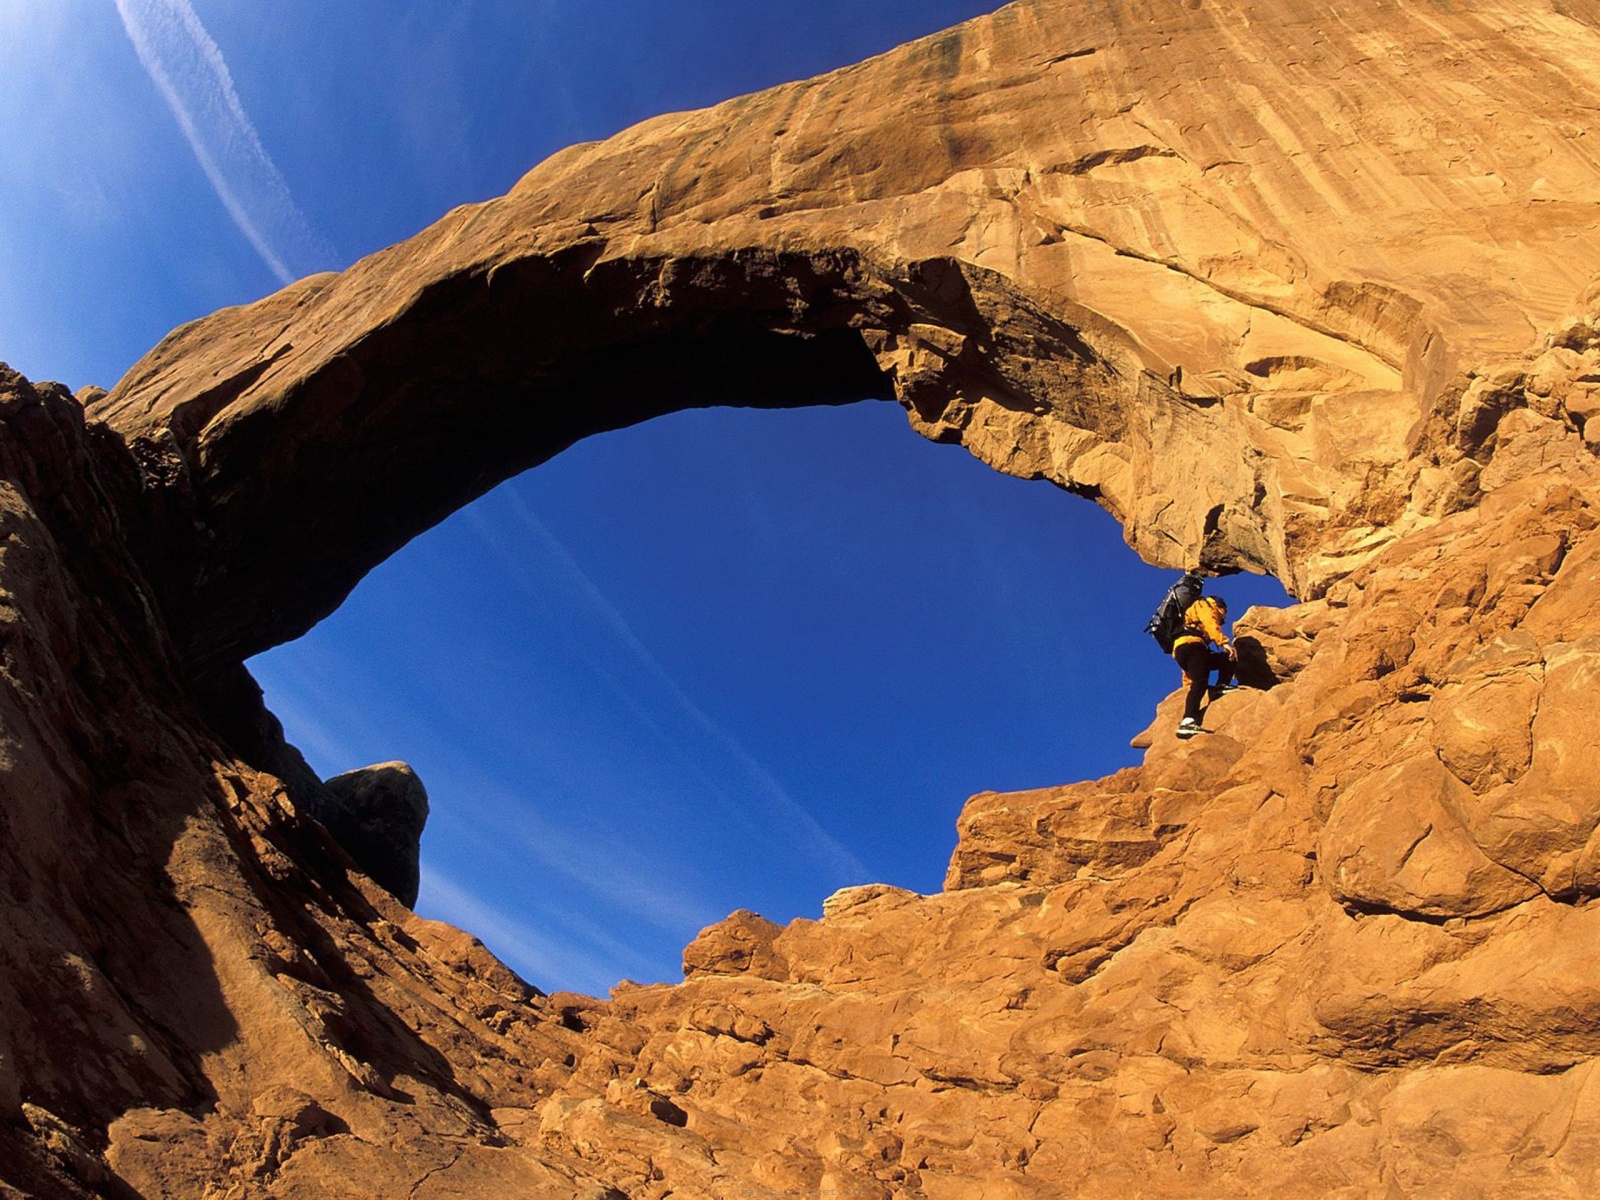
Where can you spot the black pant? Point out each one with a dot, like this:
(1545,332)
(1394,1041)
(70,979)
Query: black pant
(1198,660)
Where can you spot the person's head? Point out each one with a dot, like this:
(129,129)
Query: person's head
(1222,605)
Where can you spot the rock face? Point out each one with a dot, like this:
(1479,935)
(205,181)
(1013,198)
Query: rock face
(377,818)
(1308,293)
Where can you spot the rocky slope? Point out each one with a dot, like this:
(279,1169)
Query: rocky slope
(1303,292)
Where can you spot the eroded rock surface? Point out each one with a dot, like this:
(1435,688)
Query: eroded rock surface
(1309,292)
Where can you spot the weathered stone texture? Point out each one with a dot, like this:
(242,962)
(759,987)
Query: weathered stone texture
(1287,289)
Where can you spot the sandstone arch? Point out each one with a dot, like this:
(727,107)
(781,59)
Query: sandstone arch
(1030,286)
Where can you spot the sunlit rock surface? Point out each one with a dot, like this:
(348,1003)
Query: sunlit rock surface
(1307,293)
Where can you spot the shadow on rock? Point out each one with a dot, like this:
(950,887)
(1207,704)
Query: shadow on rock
(1253,668)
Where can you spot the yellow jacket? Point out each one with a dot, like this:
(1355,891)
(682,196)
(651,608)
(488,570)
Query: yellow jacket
(1202,622)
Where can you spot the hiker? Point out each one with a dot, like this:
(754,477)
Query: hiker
(1192,648)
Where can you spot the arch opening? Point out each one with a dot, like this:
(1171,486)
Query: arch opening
(725,659)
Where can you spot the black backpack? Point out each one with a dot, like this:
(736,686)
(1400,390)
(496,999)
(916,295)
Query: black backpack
(1167,623)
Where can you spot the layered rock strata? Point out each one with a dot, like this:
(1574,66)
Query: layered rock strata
(1308,293)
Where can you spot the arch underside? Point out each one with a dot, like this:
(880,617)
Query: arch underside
(300,472)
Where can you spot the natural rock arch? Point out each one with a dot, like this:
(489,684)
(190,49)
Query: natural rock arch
(1149,309)
(299,482)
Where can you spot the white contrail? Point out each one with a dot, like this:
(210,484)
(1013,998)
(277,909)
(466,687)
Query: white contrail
(548,960)
(783,809)
(192,76)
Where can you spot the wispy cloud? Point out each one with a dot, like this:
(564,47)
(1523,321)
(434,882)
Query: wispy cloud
(610,870)
(309,694)
(189,71)
(542,959)
(309,731)
(791,818)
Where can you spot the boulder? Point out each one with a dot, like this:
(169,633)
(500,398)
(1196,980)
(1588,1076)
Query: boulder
(377,814)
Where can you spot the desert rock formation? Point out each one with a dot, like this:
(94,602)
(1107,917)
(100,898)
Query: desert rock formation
(1305,292)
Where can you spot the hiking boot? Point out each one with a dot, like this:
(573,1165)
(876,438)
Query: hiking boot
(1188,727)
(1217,691)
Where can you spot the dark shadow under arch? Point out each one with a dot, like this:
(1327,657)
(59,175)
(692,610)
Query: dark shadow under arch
(296,478)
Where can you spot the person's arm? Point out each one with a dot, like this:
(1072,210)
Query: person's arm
(1211,622)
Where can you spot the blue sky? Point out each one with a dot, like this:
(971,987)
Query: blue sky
(726,659)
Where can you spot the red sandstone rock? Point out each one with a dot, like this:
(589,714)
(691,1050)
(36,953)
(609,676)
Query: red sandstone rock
(1341,945)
